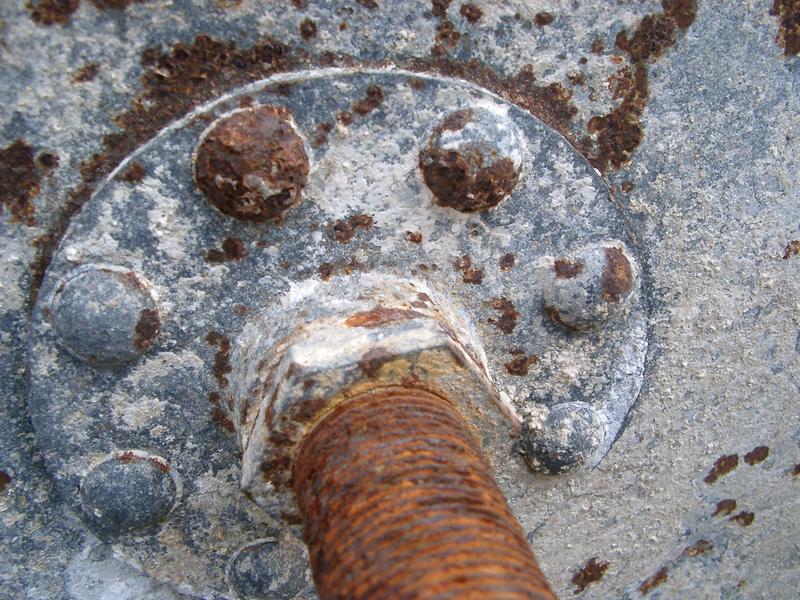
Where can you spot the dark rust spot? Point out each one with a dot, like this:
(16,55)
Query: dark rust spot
(543,18)
(507,262)
(344,117)
(147,329)
(456,121)
(698,548)
(232,249)
(373,360)
(744,518)
(416,84)
(439,8)
(792,249)
(508,314)
(619,132)
(591,572)
(627,187)
(253,165)
(555,316)
(724,507)
(323,130)
(308,29)
(52,12)
(519,366)
(724,465)
(343,230)
(597,46)
(86,73)
(371,101)
(788,13)
(325,271)
(222,363)
(5,479)
(567,269)
(471,13)
(20,181)
(756,455)
(796,470)
(134,173)
(617,275)
(415,237)
(218,414)
(414,473)
(447,38)
(114,4)
(370,4)
(381,316)
(127,458)
(473,276)
(653,581)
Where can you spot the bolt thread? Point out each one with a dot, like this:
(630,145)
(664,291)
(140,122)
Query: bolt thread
(398,502)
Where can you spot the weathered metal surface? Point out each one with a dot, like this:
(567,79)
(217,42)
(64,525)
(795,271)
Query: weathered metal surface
(697,137)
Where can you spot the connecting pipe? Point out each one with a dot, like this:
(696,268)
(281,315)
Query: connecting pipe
(398,502)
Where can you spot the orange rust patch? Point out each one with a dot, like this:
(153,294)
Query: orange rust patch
(722,466)
(519,366)
(653,581)
(381,316)
(591,572)
(792,249)
(698,548)
(617,275)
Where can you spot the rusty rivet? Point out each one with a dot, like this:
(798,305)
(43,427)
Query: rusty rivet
(591,288)
(473,160)
(252,165)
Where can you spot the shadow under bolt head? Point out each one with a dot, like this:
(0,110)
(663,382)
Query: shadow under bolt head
(473,160)
(252,165)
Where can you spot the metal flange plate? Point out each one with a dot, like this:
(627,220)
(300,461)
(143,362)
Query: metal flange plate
(131,338)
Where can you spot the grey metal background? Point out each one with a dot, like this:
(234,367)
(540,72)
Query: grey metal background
(713,206)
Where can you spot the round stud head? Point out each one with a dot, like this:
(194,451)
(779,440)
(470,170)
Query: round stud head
(105,315)
(561,438)
(252,165)
(132,490)
(473,160)
(592,288)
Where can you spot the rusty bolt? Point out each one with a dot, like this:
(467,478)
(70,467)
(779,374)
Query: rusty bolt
(361,419)
(473,160)
(397,502)
(591,288)
(252,165)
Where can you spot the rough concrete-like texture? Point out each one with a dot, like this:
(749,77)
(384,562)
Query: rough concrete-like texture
(710,196)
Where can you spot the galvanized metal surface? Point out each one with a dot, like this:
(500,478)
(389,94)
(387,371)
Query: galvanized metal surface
(711,200)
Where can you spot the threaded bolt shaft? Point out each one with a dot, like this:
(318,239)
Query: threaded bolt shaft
(398,502)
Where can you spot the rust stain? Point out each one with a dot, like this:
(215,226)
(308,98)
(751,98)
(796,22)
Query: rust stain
(756,455)
(146,329)
(744,518)
(308,29)
(519,366)
(698,548)
(567,269)
(792,249)
(52,12)
(372,361)
(507,262)
(471,13)
(135,173)
(343,230)
(415,237)
(788,13)
(722,466)
(508,314)
(218,415)
(617,275)
(543,18)
(5,479)
(232,249)
(371,101)
(86,73)
(20,180)
(414,474)
(589,573)
(222,365)
(381,316)
(724,507)
(653,581)
(115,4)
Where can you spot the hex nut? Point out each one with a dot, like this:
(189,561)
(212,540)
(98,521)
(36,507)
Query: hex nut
(286,386)
(473,160)
(562,438)
(252,164)
(105,315)
(131,490)
(591,288)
